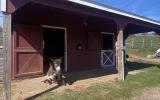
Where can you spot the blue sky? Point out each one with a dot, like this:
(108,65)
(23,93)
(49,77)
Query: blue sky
(146,8)
(1,19)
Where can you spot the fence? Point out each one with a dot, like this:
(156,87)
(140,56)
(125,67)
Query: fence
(143,44)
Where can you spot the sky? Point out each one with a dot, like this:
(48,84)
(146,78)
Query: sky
(146,8)
(3,5)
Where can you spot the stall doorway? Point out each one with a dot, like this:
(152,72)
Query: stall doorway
(54,46)
(107,51)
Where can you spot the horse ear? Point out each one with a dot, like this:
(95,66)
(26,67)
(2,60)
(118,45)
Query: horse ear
(53,58)
(61,58)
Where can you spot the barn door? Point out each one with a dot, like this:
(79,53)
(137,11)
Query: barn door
(28,50)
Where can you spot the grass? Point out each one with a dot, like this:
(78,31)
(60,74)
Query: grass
(147,49)
(115,90)
(0,89)
(1,41)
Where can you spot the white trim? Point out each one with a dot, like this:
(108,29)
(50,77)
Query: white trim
(3,5)
(111,53)
(89,4)
(65,39)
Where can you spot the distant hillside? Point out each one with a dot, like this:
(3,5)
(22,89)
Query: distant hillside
(142,45)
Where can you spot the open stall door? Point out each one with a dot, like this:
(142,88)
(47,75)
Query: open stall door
(107,52)
(54,45)
(28,50)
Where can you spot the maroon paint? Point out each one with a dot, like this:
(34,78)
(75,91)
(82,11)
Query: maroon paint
(89,58)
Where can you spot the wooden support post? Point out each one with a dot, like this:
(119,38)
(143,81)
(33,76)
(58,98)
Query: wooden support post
(7,57)
(143,43)
(120,51)
(151,43)
(132,44)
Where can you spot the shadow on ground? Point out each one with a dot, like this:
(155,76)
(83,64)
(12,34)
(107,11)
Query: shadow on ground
(81,75)
(75,76)
(132,66)
(39,94)
(140,65)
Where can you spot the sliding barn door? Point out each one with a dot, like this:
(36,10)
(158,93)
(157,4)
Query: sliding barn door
(28,50)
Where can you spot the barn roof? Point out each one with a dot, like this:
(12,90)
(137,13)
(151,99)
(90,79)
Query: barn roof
(114,10)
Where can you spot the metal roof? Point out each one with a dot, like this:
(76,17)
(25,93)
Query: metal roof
(114,10)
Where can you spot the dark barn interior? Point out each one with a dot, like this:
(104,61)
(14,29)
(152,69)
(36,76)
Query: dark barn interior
(108,41)
(53,45)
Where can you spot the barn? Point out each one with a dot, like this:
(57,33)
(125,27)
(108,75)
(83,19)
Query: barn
(85,34)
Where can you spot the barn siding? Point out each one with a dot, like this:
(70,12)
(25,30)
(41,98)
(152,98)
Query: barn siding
(90,56)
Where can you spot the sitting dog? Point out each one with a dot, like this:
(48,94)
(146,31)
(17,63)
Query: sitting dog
(54,74)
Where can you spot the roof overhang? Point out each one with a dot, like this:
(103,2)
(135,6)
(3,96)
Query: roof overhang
(115,11)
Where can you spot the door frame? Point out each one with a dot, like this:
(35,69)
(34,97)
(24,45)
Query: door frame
(113,50)
(65,43)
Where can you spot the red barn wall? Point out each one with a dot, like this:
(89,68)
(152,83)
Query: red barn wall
(90,56)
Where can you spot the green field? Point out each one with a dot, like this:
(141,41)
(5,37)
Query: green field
(1,41)
(151,44)
(0,90)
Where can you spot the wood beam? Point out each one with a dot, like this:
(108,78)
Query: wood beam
(7,57)
(68,6)
(13,5)
(120,49)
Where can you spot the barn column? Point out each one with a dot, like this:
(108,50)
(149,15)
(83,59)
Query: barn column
(120,50)
(7,57)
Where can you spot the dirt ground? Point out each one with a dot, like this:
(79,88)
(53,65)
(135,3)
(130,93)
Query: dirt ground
(137,58)
(151,94)
(28,88)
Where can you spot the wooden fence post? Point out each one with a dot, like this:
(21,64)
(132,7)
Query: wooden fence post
(151,43)
(132,44)
(143,44)
(7,57)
